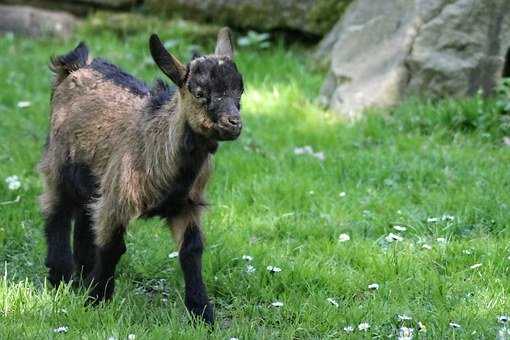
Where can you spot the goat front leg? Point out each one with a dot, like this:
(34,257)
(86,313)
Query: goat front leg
(188,234)
(110,246)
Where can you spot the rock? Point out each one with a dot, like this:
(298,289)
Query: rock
(112,4)
(315,17)
(76,7)
(323,52)
(34,22)
(107,3)
(386,51)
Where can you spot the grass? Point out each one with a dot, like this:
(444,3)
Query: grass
(401,167)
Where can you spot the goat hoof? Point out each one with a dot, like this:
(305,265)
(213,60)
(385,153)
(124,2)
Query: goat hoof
(60,274)
(95,297)
(99,292)
(82,274)
(202,312)
(92,301)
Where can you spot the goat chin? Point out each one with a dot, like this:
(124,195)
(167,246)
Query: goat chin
(226,134)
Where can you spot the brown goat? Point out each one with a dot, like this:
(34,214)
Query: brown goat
(118,150)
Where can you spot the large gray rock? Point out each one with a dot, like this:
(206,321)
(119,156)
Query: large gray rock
(309,16)
(34,22)
(384,51)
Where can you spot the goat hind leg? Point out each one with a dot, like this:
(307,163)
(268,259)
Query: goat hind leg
(58,213)
(84,247)
(109,250)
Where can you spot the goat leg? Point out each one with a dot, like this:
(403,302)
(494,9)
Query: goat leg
(190,257)
(102,278)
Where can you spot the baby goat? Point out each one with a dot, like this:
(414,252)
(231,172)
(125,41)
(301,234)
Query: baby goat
(118,150)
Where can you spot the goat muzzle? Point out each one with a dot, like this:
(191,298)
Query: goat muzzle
(229,127)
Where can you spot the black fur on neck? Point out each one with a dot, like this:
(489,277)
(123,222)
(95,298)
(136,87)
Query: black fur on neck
(192,154)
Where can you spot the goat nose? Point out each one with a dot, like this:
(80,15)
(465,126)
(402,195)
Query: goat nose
(234,121)
(230,122)
(230,127)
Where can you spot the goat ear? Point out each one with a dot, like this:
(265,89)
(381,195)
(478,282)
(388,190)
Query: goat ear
(224,44)
(169,64)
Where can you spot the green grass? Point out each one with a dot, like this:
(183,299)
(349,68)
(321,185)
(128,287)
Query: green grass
(401,167)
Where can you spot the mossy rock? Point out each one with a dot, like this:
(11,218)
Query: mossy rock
(77,7)
(326,13)
(126,24)
(315,17)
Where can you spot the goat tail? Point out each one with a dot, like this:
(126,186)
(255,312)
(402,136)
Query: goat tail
(64,65)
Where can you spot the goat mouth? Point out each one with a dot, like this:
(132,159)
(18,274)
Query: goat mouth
(226,134)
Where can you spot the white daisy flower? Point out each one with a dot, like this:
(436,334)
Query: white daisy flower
(319,155)
(404,317)
(247,258)
(343,237)
(61,329)
(454,325)
(373,286)
(273,269)
(250,269)
(364,326)
(173,255)
(432,219)
(24,104)
(427,247)
(342,194)
(393,238)
(277,304)
(304,150)
(503,319)
(308,150)
(13,182)
(476,265)
(447,217)
(503,333)
(405,333)
(332,301)
(349,329)
(399,228)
